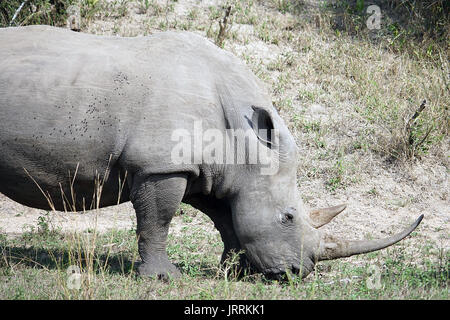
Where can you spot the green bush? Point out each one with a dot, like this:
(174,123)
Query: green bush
(417,27)
(50,12)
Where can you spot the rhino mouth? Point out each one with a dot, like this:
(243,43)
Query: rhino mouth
(280,274)
(300,268)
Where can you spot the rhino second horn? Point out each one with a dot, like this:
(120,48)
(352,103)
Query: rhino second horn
(320,217)
(331,248)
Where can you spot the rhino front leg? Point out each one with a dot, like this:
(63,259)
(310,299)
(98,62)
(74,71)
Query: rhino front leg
(220,214)
(155,199)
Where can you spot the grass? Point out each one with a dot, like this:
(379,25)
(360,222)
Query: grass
(35,266)
(52,12)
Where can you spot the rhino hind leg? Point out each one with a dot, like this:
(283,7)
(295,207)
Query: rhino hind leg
(155,200)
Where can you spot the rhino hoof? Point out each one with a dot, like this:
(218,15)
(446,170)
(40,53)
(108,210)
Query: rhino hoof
(160,271)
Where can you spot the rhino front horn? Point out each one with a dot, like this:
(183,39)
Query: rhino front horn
(331,248)
(320,217)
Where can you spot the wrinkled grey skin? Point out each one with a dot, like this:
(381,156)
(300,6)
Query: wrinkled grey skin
(72,102)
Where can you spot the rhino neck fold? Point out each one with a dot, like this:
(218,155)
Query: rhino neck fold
(207,181)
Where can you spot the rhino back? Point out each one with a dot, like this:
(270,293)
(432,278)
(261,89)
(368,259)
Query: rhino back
(71,100)
(57,111)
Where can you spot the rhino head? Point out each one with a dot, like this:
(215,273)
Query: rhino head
(270,221)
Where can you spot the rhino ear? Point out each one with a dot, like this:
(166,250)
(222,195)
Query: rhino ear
(262,125)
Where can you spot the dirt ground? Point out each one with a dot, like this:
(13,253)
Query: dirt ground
(374,216)
(381,202)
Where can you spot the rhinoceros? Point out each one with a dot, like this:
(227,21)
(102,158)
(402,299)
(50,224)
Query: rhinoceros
(74,106)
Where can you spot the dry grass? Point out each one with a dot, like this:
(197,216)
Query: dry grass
(38,265)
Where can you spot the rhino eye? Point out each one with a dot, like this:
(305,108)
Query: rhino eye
(288,215)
